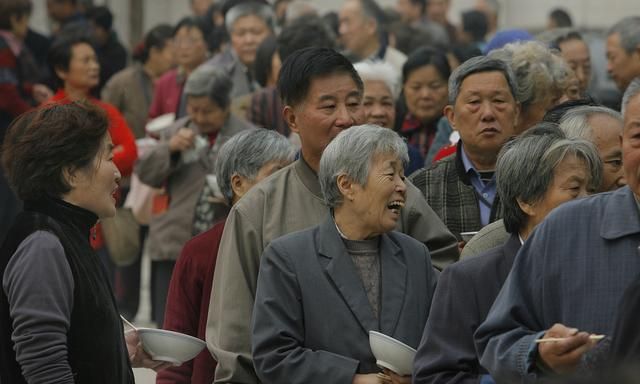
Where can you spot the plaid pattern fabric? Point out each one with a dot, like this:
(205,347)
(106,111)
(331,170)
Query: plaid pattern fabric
(450,194)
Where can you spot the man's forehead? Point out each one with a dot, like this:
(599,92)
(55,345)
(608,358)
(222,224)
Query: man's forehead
(339,84)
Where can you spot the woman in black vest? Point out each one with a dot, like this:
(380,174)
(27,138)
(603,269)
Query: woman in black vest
(58,318)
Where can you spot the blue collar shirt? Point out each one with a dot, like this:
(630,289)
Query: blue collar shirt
(485,192)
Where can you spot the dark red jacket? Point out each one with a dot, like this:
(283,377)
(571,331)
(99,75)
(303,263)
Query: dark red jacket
(188,304)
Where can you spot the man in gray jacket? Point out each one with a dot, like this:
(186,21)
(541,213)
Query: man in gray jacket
(322,94)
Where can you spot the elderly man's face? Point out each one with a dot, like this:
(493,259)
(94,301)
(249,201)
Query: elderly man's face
(631,144)
(379,107)
(357,32)
(484,113)
(622,66)
(333,103)
(246,35)
(607,134)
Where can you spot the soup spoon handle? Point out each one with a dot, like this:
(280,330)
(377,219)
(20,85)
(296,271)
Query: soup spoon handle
(129,323)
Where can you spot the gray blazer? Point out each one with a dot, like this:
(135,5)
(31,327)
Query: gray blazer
(312,316)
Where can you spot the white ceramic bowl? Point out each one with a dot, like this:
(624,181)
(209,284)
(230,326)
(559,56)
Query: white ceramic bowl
(159,123)
(391,353)
(170,346)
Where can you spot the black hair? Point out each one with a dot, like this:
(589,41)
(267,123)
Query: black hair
(427,56)
(421,3)
(193,22)
(59,55)
(464,52)
(16,8)
(157,38)
(264,57)
(475,24)
(561,18)
(303,32)
(101,16)
(301,67)
(555,114)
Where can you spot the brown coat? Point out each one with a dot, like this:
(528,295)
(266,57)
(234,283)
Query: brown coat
(184,182)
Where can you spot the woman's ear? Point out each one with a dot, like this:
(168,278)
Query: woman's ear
(345,185)
(62,74)
(238,185)
(69,175)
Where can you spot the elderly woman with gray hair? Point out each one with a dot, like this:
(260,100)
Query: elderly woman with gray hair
(321,290)
(541,76)
(381,89)
(535,172)
(243,161)
(183,164)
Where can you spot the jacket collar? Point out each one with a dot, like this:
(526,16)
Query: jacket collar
(621,215)
(341,270)
(308,177)
(63,212)
(460,168)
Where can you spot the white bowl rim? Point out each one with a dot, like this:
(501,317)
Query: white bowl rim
(395,341)
(160,122)
(172,333)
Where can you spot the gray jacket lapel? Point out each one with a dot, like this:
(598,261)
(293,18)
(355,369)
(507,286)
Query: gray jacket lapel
(341,271)
(393,284)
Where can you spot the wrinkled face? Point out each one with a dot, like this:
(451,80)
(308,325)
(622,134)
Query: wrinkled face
(379,107)
(426,92)
(533,113)
(437,10)
(93,187)
(356,31)
(379,202)
(190,47)
(408,11)
(246,35)
(622,66)
(84,69)
(576,53)
(206,114)
(333,104)
(570,181)
(484,113)
(573,90)
(607,137)
(631,144)
(265,171)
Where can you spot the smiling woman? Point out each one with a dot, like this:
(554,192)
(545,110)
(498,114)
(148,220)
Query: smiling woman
(55,293)
(346,273)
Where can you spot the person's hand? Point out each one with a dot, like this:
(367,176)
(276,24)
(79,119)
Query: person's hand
(397,379)
(461,245)
(370,378)
(41,93)
(182,140)
(138,356)
(563,356)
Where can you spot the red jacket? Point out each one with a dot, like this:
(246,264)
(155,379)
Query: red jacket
(188,304)
(125,156)
(166,94)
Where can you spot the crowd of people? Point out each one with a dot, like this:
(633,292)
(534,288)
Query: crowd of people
(298,180)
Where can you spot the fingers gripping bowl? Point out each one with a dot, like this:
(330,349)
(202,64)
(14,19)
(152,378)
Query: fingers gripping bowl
(391,353)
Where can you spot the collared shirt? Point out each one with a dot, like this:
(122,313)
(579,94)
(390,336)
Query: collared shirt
(486,192)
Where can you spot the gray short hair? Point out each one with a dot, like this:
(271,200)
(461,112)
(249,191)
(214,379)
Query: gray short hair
(246,153)
(209,81)
(380,71)
(351,154)
(575,123)
(632,91)
(538,71)
(526,166)
(251,8)
(554,37)
(629,30)
(475,65)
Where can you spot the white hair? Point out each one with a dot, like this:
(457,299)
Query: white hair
(380,71)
